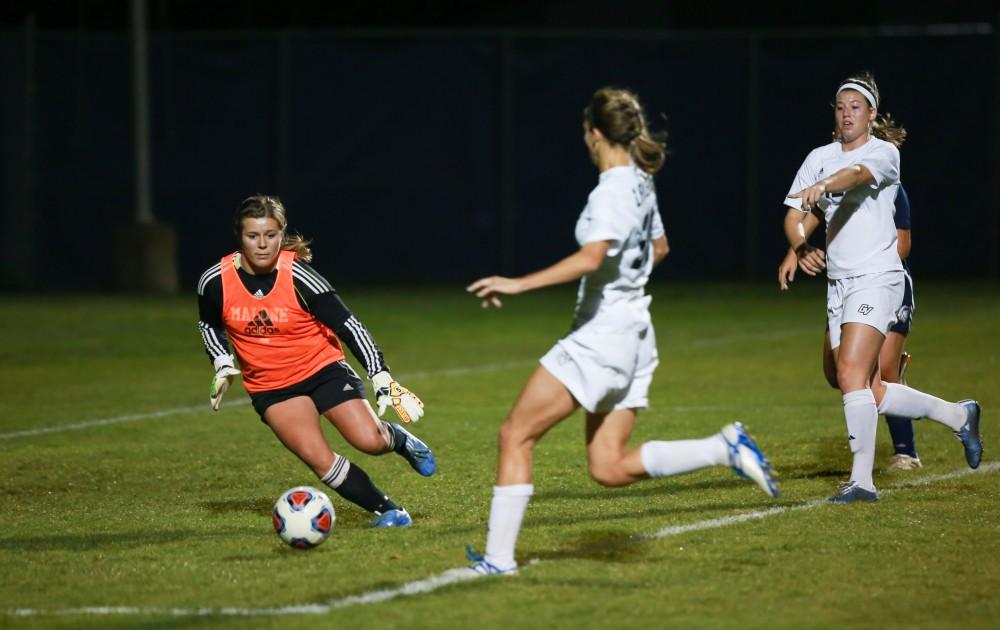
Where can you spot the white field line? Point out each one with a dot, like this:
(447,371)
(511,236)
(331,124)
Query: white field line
(452,576)
(150,415)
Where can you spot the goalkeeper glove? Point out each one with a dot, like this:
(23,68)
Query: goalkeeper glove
(224,374)
(389,393)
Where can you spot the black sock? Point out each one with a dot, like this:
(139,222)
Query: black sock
(358,488)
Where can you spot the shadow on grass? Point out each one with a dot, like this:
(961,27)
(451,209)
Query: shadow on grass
(709,510)
(655,489)
(812,472)
(122,540)
(607,545)
(349,516)
(259,505)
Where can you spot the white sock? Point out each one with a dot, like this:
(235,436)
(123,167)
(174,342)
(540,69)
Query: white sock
(506,514)
(900,400)
(338,472)
(662,459)
(862,419)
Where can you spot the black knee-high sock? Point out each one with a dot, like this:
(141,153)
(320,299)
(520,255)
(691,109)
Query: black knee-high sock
(352,483)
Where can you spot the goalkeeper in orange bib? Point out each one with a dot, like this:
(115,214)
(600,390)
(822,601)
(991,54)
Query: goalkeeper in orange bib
(286,324)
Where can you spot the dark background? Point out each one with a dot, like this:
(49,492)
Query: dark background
(442,141)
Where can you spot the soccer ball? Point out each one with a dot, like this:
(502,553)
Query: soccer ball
(303,517)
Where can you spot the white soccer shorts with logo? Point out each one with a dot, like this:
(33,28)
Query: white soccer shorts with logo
(608,363)
(874,299)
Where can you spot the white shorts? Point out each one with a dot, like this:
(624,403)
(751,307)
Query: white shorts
(874,299)
(606,365)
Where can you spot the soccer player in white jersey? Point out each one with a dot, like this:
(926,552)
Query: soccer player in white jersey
(853,181)
(606,363)
(893,358)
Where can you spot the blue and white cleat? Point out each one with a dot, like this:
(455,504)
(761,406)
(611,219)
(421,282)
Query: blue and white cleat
(747,460)
(968,435)
(851,492)
(415,451)
(480,566)
(392,518)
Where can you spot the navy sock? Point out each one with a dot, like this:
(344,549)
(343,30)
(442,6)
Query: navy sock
(901,430)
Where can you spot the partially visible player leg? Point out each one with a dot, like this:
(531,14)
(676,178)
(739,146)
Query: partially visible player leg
(296,423)
(900,429)
(829,362)
(610,463)
(356,421)
(542,403)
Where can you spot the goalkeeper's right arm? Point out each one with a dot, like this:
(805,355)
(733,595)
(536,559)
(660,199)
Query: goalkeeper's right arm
(213,334)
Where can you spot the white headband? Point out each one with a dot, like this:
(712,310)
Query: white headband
(864,92)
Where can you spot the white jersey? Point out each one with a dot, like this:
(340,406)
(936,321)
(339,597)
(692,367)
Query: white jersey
(622,209)
(860,231)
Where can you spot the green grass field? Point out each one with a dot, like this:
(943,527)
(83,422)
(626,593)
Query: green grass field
(162,511)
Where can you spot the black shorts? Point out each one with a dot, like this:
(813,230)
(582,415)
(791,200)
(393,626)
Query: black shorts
(332,385)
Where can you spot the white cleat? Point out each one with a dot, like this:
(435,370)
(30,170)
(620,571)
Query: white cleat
(902,461)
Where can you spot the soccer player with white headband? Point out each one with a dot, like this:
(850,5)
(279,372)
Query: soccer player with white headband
(853,183)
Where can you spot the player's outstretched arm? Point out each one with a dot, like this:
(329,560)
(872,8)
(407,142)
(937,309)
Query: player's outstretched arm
(843,180)
(585,260)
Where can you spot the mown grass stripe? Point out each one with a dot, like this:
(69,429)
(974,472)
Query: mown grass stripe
(150,415)
(453,576)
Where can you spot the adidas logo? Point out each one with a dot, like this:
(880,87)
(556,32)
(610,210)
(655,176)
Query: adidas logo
(348,388)
(261,325)
(258,294)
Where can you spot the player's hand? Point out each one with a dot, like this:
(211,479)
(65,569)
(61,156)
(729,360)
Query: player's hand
(223,378)
(487,289)
(812,260)
(810,196)
(786,270)
(389,393)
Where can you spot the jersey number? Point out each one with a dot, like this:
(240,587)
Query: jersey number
(646,244)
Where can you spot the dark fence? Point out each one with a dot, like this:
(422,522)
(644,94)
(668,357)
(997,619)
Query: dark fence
(442,156)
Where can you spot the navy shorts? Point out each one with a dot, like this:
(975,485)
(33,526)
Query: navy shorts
(905,314)
(330,386)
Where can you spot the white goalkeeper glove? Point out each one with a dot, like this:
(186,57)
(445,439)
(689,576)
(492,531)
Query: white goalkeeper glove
(224,373)
(389,393)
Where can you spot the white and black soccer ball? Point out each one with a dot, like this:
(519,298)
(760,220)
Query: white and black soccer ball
(303,517)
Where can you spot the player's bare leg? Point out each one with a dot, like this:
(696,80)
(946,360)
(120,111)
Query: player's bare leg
(356,421)
(296,423)
(542,403)
(858,377)
(610,463)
